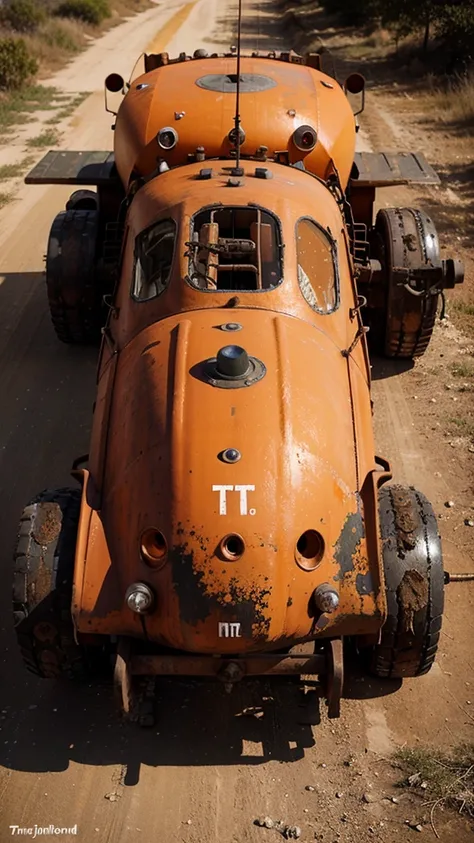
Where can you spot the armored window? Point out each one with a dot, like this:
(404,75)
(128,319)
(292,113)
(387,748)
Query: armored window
(317,275)
(235,249)
(154,251)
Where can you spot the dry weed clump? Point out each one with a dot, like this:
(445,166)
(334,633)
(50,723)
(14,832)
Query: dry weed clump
(455,101)
(443,780)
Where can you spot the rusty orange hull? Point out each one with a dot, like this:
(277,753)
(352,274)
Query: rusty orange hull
(299,470)
(197,100)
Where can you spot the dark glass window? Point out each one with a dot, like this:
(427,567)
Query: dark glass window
(235,249)
(154,250)
(316,266)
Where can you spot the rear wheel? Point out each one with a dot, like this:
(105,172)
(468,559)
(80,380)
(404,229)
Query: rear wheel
(414,582)
(42,586)
(403,323)
(74,290)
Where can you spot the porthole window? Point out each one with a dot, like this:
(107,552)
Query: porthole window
(154,250)
(317,274)
(235,248)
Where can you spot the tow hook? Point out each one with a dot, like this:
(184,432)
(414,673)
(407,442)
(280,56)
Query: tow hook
(457,577)
(230,674)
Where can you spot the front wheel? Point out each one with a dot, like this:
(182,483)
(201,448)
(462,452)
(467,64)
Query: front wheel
(414,582)
(75,292)
(402,324)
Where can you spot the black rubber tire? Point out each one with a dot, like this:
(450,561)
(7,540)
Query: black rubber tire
(414,581)
(402,325)
(42,586)
(74,290)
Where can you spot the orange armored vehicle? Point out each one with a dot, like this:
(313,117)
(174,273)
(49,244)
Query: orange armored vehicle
(232,517)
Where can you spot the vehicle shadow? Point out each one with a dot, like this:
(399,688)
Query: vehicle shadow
(197,724)
(386,367)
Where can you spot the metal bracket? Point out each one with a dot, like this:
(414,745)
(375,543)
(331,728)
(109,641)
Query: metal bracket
(335,677)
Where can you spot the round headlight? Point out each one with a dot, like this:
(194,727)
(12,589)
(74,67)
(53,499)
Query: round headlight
(305,138)
(139,598)
(167,138)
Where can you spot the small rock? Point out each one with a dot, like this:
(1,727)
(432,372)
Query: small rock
(371,829)
(344,818)
(324,766)
(418,827)
(309,787)
(30,708)
(189,822)
(368,797)
(469,522)
(424,785)
(305,811)
(339,795)
(112,797)
(414,780)
(433,400)
(394,800)
(268,822)
(449,504)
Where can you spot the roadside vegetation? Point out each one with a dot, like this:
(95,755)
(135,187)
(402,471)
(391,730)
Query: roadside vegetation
(37,36)
(441,780)
(434,38)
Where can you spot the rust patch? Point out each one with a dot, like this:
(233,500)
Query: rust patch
(197,602)
(347,544)
(47,524)
(412,596)
(364,584)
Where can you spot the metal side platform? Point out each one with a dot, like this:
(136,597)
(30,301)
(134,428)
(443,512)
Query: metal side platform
(382,169)
(79,168)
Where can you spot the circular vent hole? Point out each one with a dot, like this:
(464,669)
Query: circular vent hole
(309,549)
(153,547)
(232,546)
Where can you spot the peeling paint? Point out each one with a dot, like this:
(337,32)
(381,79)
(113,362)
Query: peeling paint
(345,548)
(364,584)
(197,601)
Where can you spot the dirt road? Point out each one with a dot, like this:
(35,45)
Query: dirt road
(214,762)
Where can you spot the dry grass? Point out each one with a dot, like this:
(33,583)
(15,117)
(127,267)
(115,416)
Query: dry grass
(56,41)
(49,137)
(5,198)
(449,779)
(16,107)
(68,108)
(13,171)
(463,370)
(455,101)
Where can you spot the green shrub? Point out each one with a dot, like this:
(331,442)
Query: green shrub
(22,15)
(16,65)
(90,11)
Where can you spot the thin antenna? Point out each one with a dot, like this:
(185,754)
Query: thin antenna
(237,99)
